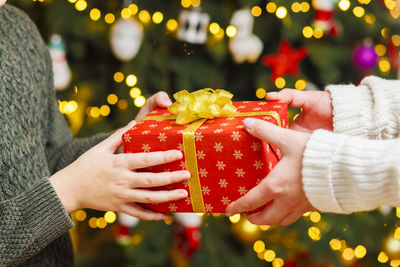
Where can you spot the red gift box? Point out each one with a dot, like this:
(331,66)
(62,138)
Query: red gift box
(224,159)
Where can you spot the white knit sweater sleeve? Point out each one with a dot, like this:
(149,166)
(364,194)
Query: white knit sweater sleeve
(348,172)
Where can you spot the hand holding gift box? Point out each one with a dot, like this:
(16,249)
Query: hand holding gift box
(224,160)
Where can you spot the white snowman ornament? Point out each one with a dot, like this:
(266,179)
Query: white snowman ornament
(244,46)
(193,26)
(126,37)
(61,70)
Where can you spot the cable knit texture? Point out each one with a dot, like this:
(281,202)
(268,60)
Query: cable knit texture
(355,169)
(35,142)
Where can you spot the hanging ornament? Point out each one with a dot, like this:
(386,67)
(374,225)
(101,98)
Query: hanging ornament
(61,70)
(364,56)
(391,247)
(126,37)
(324,11)
(193,26)
(244,46)
(285,61)
(126,222)
(187,234)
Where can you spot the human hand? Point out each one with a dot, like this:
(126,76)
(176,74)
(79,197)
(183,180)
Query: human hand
(316,108)
(102,180)
(283,185)
(160,99)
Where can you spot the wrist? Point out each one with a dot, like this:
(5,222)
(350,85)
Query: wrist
(66,192)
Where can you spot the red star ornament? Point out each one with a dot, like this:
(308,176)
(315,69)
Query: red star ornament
(285,61)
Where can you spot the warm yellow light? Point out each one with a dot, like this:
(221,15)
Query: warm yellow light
(133,8)
(231,31)
(196,3)
(169,220)
(394,263)
(93,222)
(157,17)
(382,257)
(214,28)
(110,216)
(395,13)
(370,18)
(112,99)
(109,18)
(307,214)
(104,110)
(248,227)
(118,77)
(172,25)
(72,1)
(271,7)
(136,239)
(315,216)
(260,93)
(278,262)
(220,34)
(280,82)
(101,222)
(62,105)
(396,40)
(384,65)
(296,7)
(70,107)
(300,84)
(260,255)
(235,218)
(122,104)
(144,16)
(348,254)
(318,33)
(135,92)
(140,101)
(264,227)
(186,3)
(305,7)
(396,233)
(358,11)
(81,5)
(126,13)
(360,251)
(385,33)
(390,4)
(344,5)
(256,11)
(308,32)
(269,255)
(259,246)
(335,244)
(364,2)
(380,49)
(94,112)
(281,12)
(80,215)
(314,233)
(131,80)
(94,14)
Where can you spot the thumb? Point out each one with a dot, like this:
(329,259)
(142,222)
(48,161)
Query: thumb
(268,132)
(294,98)
(114,141)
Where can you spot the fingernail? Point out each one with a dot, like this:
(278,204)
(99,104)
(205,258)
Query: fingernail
(167,102)
(229,214)
(248,122)
(183,193)
(186,174)
(175,154)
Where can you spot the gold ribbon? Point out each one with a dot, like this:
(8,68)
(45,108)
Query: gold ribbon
(189,146)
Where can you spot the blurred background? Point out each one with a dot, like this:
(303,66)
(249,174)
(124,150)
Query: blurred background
(110,56)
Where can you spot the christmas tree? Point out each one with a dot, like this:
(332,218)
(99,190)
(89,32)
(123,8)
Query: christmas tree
(109,56)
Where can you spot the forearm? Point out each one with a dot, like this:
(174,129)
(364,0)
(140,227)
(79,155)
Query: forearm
(370,110)
(343,174)
(32,220)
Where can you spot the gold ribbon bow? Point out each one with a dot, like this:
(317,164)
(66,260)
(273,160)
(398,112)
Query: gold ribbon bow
(202,104)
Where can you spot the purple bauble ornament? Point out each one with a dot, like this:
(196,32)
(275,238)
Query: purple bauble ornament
(365,56)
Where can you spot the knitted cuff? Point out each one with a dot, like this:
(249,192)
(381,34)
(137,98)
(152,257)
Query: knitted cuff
(352,108)
(43,212)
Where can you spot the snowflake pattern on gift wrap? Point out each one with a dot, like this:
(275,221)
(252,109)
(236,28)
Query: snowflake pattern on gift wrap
(198,136)
(259,180)
(203,127)
(180,147)
(203,172)
(153,125)
(140,122)
(240,127)
(145,132)
(206,190)
(225,201)
(185,183)
(235,136)
(262,103)
(255,146)
(172,207)
(209,121)
(146,148)
(208,208)
(224,124)
(230,118)
(200,154)
(270,165)
(218,131)
(166,170)
(277,106)
(188,201)
(167,127)
(240,172)
(218,147)
(127,138)
(238,154)
(258,164)
(220,165)
(182,164)
(242,190)
(223,183)
(256,109)
(162,137)
(180,131)
(241,107)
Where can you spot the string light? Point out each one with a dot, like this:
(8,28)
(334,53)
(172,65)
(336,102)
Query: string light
(157,17)
(133,8)
(131,80)
(112,99)
(300,84)
(382,257)
(110,216)
(360,251)
(396,40)
(259,246)
(296,7)
(271,7)
(370,18)
(101,222)
(94,112)
(384,65)
(348,254)
(231,31)
(314,233)
(260,93)
(278,262)
(196,3)
(308,31)
(358,11)
(109,18)
(335,244)
(318,33)
(395,263)
(93,222)
(235,218)
(214,28)
(95,14)
(281,12)
(135,92)
(80,215)
(186,3)
(140,101)
(264,227)
(122,104)
(172,25)
(344,5)
(144,16)
(305,7)
(315,216)
(81,5)
(104,110)
(380,49)
(269,255)
(125,13)
(256,11)
(280,82)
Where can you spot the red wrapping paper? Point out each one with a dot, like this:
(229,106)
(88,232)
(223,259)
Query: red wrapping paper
(230,160)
